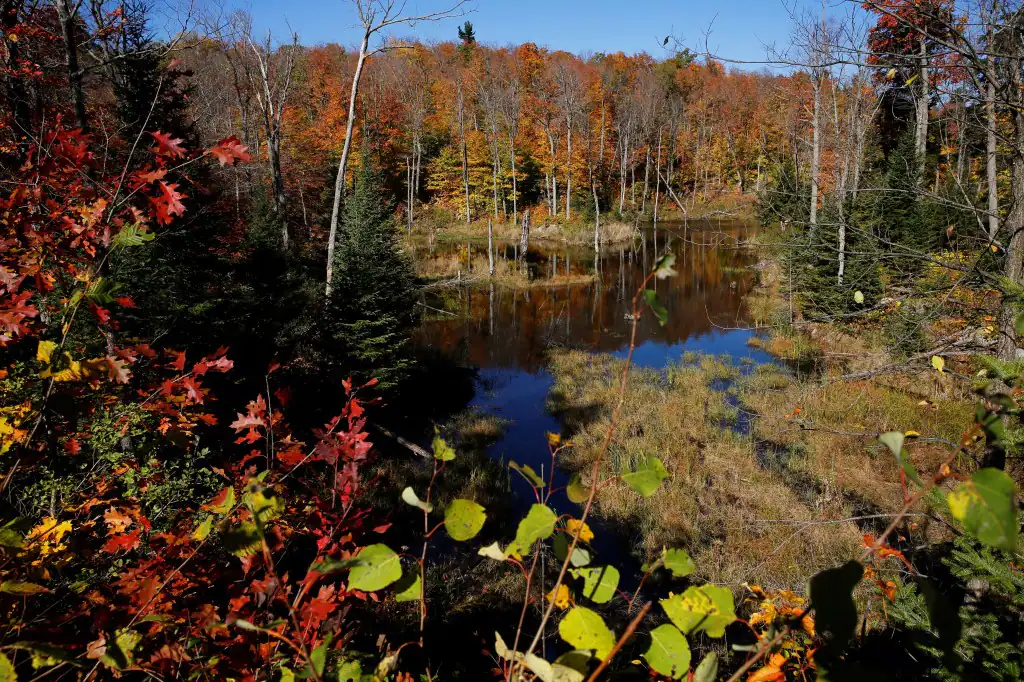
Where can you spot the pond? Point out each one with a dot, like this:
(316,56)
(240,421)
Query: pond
(578,301)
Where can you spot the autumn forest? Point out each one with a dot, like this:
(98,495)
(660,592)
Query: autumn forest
(406,359)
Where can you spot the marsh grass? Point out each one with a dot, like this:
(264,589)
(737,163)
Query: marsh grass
(719,500)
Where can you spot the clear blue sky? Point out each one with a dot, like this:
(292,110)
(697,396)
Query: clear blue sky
(738,27)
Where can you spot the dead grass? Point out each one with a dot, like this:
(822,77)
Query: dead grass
(719,502)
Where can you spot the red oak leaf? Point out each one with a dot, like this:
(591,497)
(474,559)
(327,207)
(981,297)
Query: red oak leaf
(229,150)
(122,543)
(167,146)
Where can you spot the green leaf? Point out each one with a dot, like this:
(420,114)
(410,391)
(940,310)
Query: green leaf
(463,519)
(858,297)
(7,673)
(243,540)
(410,587)
(539,524)
(102,291)
(318,656)
(894,441)
(442,451)
(707,671)
(707,608)
(410,498)
(599,583)
(669,653)
(584,629)
(131,235)
(528,473)
(664,267)
(835,610)
(9,537)
(678,561)
(43,655)
(349,671)
(546,672)
(986,507)
(21,589)
(576,491)
(120,654)
(651,297)
(202,531)
(379,568)
(647,476)
(581,556)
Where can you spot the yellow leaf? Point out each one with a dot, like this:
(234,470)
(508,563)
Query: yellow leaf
(911,434)
(560,597)
(958,501)
(938,363)
(586,535)
(45,350)
(554,439)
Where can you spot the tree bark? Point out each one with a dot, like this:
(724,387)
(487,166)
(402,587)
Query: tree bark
(339,182)
(1014,264)
(990,158)
(921,131)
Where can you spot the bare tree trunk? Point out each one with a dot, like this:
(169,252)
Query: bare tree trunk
(515,183)
(597,217)
(408,193)
(647,174)
(465,154)
(815,151)
(990,159)
(1014,266)
(921,132)
(339,182)
(568,168)
(657,180)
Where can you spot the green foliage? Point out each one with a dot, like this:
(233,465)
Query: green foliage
(708,608)
(669,653)
(372,312)
(463,519)
(987,507)
(646,478)
(379,567)
(585,629)
(599,583)
(539,524)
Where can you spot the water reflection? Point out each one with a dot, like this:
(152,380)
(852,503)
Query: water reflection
(579,301)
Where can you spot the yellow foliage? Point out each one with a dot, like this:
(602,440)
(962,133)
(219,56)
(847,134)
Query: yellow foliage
(560,597)
(586,535)
(64,367)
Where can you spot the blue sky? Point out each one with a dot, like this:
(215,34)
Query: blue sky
(738,27)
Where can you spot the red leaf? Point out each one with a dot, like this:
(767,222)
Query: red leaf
(194,394)
(229,150)
(120,543)
(166,146)
(179,362)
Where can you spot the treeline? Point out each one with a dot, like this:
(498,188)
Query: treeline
(487,132)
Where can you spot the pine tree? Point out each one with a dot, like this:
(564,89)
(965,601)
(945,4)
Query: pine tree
(901,217)
(372,312)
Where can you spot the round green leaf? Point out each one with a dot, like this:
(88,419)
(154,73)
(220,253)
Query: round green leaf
(669,654)
(647,476)
(678,561)
(580,554)
(986,507)
(709,608)
(409,588)
(599,583)
(576,491)
(379,567)
(539,524)
(858,297)
(463,519)
(584,629)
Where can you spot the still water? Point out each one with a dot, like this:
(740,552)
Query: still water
(578,301)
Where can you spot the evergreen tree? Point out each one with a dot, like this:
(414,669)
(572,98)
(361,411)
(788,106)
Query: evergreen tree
(372,312)
(901,214)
